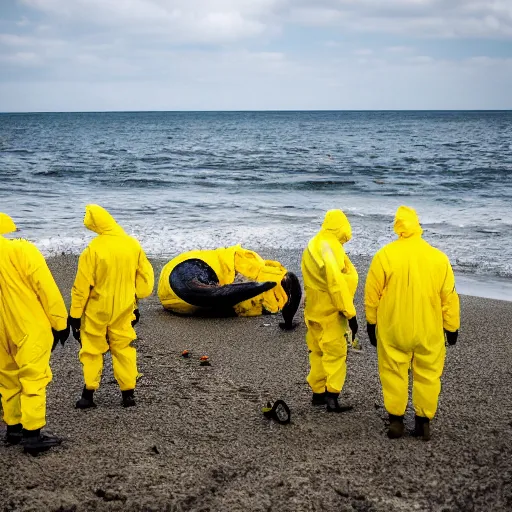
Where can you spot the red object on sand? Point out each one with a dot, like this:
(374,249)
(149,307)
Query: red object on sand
(205,361)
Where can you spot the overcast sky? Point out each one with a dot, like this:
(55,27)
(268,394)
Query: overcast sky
(80,55)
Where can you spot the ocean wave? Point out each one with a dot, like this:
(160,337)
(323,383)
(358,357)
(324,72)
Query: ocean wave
(266,179)
(155,159)
(294,150)
(17,151)
(249,179)
(169,240)
(488,231)
(54,173)
(147,182)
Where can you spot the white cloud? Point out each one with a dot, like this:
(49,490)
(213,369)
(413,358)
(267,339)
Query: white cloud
(363,52)
(23,59)
(399,49)
(201,21)
(33,51)
(215,54)
(14,40)
(243,80)
(420,59)
(416,18)
(229,20)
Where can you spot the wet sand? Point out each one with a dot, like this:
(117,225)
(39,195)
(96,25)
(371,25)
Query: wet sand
(197,439)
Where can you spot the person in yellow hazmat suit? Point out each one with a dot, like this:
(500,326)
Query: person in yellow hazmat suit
(113,273)
(330,283)
(411,305)
(229,280)
(31,309)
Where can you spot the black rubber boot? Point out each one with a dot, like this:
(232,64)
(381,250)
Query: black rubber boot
(421,428)
(128,398)
(86,400)
(34,442)
(331,401)
(14,434)
(291,286)
(396,426)
(318,399)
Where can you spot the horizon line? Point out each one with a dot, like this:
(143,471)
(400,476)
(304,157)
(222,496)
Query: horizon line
(241,111)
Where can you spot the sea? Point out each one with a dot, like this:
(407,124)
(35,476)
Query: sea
(185,180)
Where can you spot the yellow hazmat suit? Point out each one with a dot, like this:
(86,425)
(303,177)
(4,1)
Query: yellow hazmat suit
(227,262)
(30,306)
(113,272)
(410,295)
(330,283)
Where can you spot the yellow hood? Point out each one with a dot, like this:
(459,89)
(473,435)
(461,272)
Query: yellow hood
(407,223)
(97,219)
(336,222)
(6,224)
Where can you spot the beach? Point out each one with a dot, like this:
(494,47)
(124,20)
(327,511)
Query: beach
(197,439)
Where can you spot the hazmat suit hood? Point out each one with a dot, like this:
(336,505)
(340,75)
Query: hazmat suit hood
(407,223)
(336,222)
(6,224)
(97,219)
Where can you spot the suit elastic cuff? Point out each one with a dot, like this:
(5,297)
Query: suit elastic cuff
(75,312)
(59,324)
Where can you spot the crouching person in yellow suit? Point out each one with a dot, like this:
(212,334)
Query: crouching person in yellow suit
(203,281)
(330,283)
(113,273)
(411,305)
(31,307)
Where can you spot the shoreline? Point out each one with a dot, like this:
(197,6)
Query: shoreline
(468,284)
(476,285)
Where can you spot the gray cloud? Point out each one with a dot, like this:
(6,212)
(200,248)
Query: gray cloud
(245,80)
(184,21)
(229,20)
(416,18)
(235,54)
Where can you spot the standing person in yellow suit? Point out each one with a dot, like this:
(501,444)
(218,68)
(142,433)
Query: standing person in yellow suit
(411,305)
(31,307)
(330,282)
(113,273)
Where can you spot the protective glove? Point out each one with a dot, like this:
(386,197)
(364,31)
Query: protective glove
(75,327)
(61,336)
(137,316)
(451,337)
(370,329)
(352,323)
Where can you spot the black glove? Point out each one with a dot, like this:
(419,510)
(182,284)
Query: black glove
(451,337)
(370,329)
(61,336)
(137,316)
(75,327)
(352,323)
